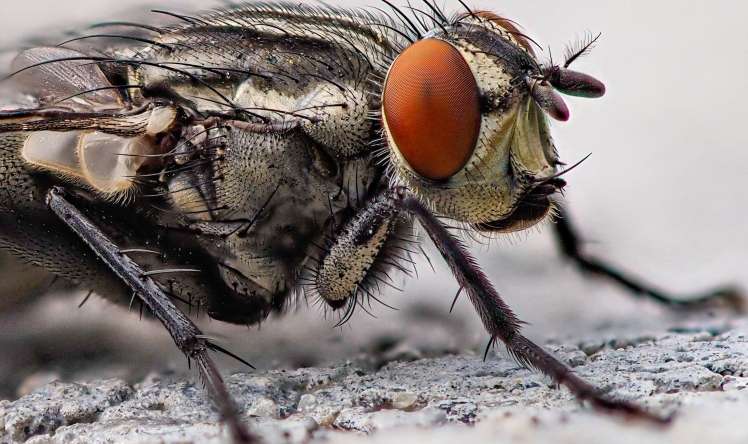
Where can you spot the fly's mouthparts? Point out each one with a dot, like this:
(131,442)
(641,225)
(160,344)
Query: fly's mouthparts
(557,182)
(544,189)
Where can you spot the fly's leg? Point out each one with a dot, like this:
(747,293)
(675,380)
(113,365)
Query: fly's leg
(350,261)
(502,324)
(573,247)
(185,333)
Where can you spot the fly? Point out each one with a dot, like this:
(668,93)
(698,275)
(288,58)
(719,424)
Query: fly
(238,158)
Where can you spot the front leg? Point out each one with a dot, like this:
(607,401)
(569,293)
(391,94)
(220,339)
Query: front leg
(185,333)
(501,322)
(349,265)
(573,247)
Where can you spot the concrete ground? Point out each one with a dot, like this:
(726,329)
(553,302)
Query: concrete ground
(698,373)
(662,196)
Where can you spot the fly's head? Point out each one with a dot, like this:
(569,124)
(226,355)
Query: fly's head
(465,111)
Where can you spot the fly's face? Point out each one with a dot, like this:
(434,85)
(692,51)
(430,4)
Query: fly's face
(465,114)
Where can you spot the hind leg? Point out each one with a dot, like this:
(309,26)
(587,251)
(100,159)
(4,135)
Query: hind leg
(187,336)
(572,247)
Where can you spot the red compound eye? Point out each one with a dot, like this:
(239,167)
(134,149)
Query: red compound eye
(431,108)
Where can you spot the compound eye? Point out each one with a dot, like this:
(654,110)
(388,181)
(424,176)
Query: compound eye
(431,108)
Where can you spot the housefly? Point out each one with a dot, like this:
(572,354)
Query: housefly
(233,160)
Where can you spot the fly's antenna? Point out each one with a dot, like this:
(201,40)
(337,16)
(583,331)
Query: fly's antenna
(580,49)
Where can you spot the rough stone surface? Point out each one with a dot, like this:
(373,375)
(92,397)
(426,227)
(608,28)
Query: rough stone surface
(699,375)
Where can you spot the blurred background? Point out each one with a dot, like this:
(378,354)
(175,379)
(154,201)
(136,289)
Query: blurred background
(662,196)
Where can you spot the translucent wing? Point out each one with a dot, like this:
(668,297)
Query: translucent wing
(60,76)
(79,128)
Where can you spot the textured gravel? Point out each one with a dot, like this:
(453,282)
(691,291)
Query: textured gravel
(697,373)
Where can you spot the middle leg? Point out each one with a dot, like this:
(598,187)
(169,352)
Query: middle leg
(572,247)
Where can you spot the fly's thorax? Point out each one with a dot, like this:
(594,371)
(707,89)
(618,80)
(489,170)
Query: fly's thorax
(511,142)
(335,115)
(339,117)
(263,202)
(302,81)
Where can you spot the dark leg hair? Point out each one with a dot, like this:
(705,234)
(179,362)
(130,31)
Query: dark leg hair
(572,247)
(185,333)
(502,324)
